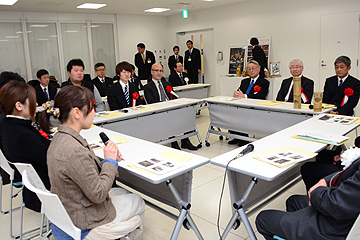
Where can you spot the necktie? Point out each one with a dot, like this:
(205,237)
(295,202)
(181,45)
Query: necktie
(250,86)
(176,58)
(143,58)
(102,80)
(182,78)
(126,93)
(46,95)
(341,82)
(162,93)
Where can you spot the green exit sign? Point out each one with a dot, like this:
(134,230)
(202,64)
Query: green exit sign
(185,13)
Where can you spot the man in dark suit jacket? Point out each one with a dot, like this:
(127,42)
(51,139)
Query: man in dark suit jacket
(259,55)
(156,91)
(342,90)
(101,81)
(178,77)
(42,97)
(328,212)
(117,98)
(286,94)
(174,58)
(192,62)
(143,61)
(254,87)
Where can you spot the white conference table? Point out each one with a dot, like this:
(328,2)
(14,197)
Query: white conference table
(196,91)
(131,153)
(249,116)
(264,171)
(161,122)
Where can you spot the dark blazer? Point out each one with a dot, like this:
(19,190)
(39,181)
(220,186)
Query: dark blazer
(333,210)
(334,94)
(261,82)
(144,68)
(151,93)
(260,57)
(172,61)
(175,80)
(306,83)
(136,80)
(195,63)
(40,95)
(102,87)
(23,143)
(116,97)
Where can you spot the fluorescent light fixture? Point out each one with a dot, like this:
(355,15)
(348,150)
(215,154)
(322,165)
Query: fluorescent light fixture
(8,2)
(19,32)
(4,40)
(11,36)
(53,36)
(39,25)
(91,5)
(208,0)
(94,26)
(157,10)
(72,31)
(43,39)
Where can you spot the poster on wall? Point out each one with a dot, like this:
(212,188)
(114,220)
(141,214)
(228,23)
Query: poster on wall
(264,43)
(236,63)
(275,69)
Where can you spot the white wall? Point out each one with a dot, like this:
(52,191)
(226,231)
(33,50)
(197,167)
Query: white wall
(294,28)
(150,30)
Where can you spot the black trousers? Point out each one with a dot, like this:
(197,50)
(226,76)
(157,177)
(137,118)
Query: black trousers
(268,221)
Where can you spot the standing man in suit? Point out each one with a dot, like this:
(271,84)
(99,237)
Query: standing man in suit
(174,59)
(101,81)
(192,62)
(327,212)
(143,61)
(256,87)
(178,77)
(259,55)
(44,91)
(342,90)
(307,85)
(120,94)
(155,91)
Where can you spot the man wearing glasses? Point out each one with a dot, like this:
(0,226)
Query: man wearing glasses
(255,86)
(101,81)
(307,85)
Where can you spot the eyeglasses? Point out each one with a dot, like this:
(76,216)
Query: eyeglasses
(252,69)
(100,70)
(295,67)
(157,70)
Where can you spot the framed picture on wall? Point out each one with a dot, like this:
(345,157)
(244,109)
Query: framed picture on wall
(275,68)
(237,57)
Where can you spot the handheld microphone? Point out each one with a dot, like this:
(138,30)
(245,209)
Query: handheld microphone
(104,138)
(249,148)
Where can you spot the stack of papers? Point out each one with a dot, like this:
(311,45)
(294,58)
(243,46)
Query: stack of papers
(338,119)
(323,137)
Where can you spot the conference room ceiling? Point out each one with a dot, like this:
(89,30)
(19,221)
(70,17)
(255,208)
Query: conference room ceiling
(117,6)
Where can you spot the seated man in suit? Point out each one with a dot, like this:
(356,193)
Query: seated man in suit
(75,69)
(121,94)
(342,90)
(101,81)
(174,59)
(327,212)
(178,77)
(156,91)
(307,85)
(143,61)
(44,92)
(253,87)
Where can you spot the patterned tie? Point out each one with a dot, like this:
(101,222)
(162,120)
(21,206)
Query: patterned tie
(250,86)
(102,80)
(176,58)
(143,58)
(341,82)
(126,93)
(182,78)
(46,95)
(162,93)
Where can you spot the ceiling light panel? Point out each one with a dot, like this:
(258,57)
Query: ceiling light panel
(91,5)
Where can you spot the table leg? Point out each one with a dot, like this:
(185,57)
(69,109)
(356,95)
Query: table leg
(184,217)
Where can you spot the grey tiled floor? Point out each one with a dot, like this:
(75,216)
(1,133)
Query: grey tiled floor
(205,199)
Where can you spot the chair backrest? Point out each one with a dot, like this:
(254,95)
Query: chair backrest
(355,230)
(4,164)
(52,208)
(21,167)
